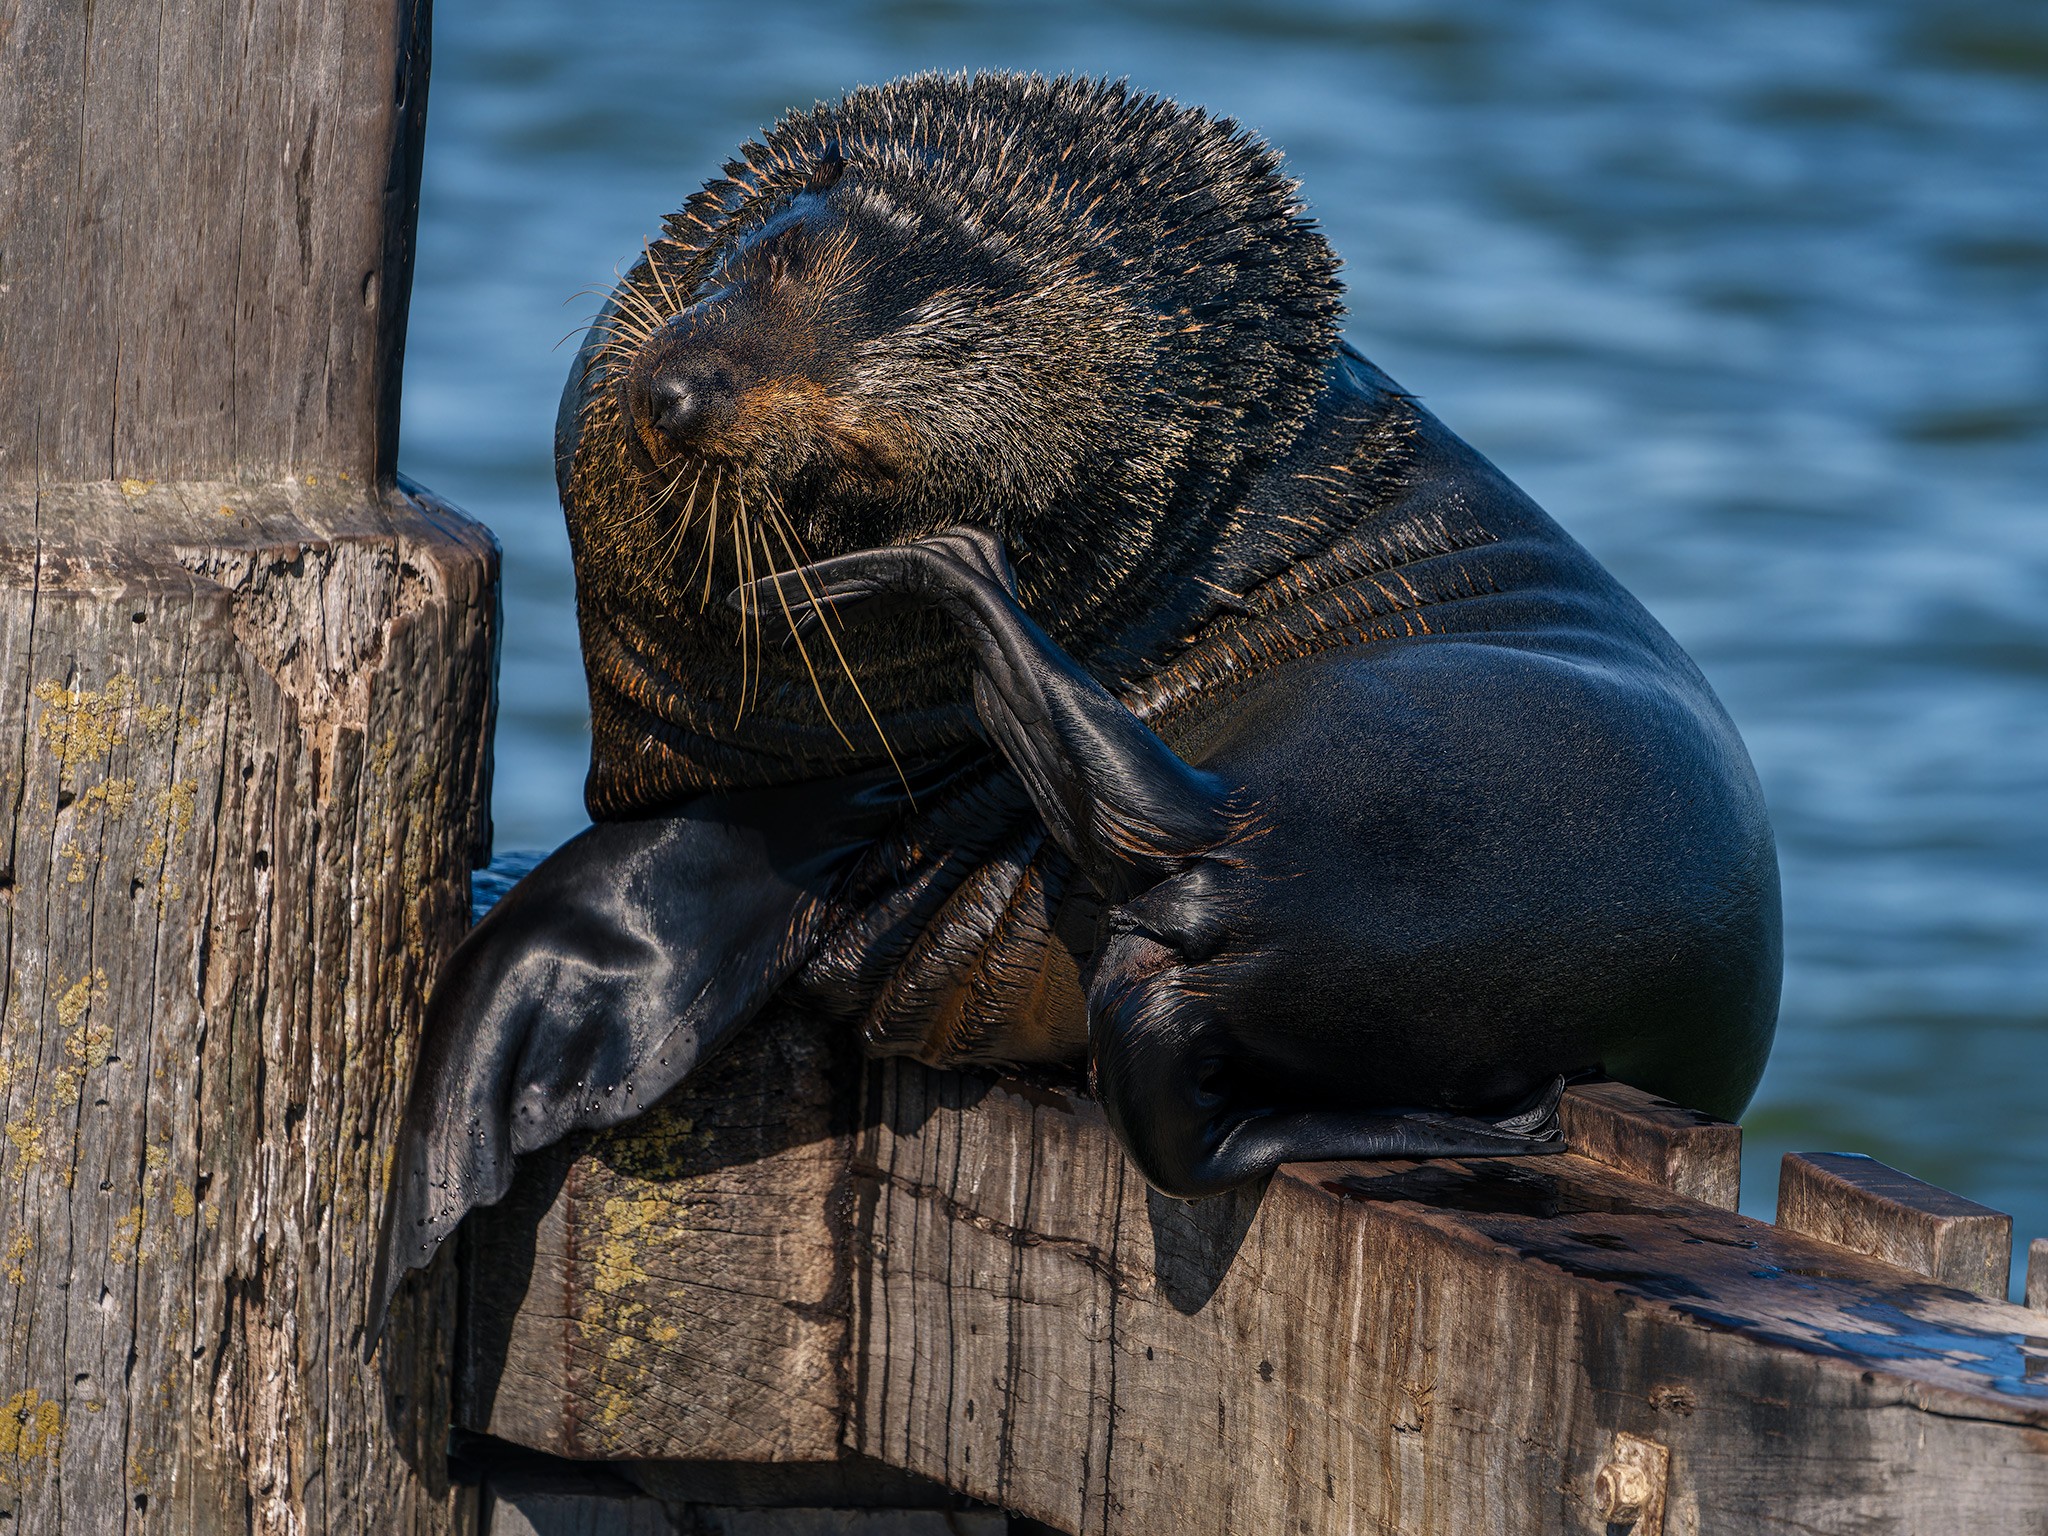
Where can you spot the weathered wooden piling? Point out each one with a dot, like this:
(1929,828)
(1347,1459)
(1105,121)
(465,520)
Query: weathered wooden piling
(243,762)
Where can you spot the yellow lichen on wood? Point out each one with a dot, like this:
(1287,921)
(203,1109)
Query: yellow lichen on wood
(608,1316)
(31,1429)
(654,1152)
(616,1264)
(19,1247)
(83,724)
(127,1246)
(71,1006)
(26,1132)
(114,795)
(90,1040)
(174,811)
(174,808)
(86,1046)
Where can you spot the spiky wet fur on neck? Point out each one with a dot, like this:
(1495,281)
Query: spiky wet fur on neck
(1115,316)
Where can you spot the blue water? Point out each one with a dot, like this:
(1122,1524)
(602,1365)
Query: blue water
(1752,296)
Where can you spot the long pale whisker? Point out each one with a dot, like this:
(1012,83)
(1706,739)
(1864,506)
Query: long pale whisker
(646,574)
(710,518)
(660,278)
(628,294)
(648,508)
(739,570)
(657,503)
(710,534)
(743,526)
(796,634)
(650,512)
(778,522)
(611,332)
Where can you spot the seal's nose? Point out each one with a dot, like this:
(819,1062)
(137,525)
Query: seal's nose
(677,410)
(689,400)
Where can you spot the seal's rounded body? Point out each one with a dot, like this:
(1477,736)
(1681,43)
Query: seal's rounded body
(1016,624)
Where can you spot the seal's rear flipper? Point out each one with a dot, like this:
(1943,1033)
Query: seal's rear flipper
(1202,1164)
(1175,1088)
(600,981)
(1119,802)
(1258,1146)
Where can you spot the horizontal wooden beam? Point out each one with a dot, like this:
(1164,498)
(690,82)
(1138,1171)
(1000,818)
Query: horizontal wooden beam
(677,1288)
(1423,1347)
(1545,1344)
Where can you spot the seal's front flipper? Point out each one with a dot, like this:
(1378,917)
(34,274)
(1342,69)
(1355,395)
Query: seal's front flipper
(601,980)
(1116,798)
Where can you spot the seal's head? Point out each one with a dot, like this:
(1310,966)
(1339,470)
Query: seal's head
(1077,317)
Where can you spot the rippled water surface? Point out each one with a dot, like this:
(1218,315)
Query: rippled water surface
(1752,296)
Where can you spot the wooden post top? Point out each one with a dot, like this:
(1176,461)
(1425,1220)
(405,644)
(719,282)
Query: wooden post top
(1655,1140)
(205,238)
(1856,1202)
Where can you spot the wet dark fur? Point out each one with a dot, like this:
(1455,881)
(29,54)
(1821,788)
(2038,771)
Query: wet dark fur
(1116,668)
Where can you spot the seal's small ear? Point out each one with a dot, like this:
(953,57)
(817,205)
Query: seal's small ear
(826,173)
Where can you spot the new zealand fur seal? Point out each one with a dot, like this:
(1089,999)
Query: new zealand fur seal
(1018,626)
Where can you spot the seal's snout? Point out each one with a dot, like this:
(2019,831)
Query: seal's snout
(687,409)
(681,405)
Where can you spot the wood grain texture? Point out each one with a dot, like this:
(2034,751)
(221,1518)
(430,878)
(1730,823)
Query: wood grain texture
(2037,1274)
(678,1282)
(511,1510)
(1655,1140)
(1439,1347)
(206,224)
(842,1522)
(243,761)
(1858,1203)
(1435,1348)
